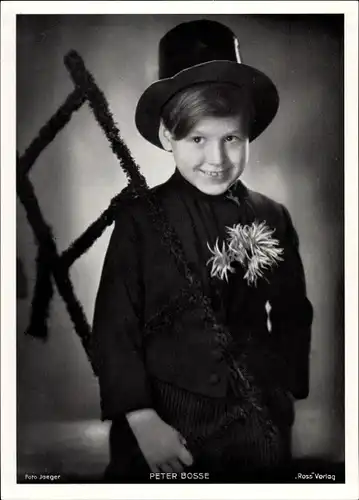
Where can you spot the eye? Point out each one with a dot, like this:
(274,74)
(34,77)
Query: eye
(231,138)
(197,139)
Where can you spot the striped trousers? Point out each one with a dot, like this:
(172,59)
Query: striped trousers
(244,449)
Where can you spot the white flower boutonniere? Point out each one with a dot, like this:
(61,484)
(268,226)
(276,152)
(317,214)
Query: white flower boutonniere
(252,246)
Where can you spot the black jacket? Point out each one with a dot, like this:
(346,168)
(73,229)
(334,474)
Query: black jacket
(140,277)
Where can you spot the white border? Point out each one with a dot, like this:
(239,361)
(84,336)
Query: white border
(10,489)
(176,7)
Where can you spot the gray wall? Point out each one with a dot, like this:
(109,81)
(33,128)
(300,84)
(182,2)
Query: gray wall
(297,161)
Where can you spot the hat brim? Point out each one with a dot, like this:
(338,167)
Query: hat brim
(263,92)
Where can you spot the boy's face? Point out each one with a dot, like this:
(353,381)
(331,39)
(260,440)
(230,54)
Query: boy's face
(213,155)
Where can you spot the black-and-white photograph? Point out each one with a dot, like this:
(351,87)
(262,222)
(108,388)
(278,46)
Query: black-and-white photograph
(180,218)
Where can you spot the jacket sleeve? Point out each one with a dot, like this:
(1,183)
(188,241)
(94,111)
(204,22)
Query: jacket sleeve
(117,345)
(292,313)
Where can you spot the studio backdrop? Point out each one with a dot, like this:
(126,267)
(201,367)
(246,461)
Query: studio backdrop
(298,161)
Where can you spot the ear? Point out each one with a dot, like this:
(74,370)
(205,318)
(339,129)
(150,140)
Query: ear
(165,137)
(247,151)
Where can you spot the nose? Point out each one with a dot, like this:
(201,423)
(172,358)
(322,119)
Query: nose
(215,153)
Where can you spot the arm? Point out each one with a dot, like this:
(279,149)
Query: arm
(292,313)
(125,391)
(117,345)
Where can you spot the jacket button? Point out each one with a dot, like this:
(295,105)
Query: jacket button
(214,378)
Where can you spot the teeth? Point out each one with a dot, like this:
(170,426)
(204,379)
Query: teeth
(212,174)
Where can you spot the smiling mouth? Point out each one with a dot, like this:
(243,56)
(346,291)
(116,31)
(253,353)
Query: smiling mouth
(214,173)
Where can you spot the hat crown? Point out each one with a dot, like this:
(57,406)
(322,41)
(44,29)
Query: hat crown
(196,42)
(203,51)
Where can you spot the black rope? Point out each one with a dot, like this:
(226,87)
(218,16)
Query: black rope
(48,256)
(42,296)
(98,103)
(48,132)
(95,230)
(162,320)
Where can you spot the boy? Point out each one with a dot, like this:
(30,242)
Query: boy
(184,393)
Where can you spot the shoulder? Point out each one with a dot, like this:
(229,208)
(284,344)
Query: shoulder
(264,204)
(137,211)
(264,208)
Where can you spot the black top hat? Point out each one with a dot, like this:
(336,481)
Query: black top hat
(203,51)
